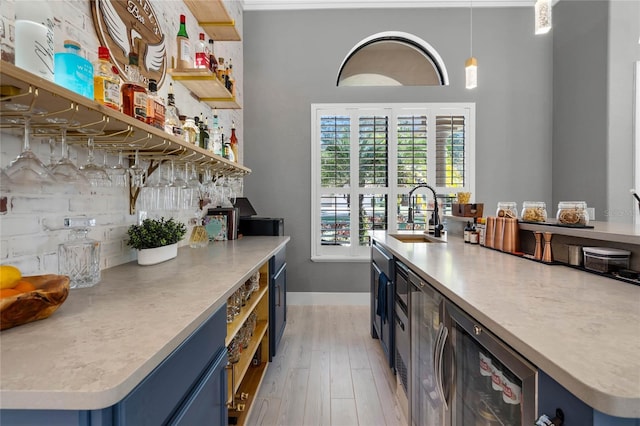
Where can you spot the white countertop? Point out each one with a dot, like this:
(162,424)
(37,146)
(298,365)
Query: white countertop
(105,339)
(581,329)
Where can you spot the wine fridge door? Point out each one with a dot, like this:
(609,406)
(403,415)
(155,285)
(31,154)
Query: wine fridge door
(491,384)
(427,402)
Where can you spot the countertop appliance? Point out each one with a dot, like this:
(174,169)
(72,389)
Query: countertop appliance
(461,374)
(256,225)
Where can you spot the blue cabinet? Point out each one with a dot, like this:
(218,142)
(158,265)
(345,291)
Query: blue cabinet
(189,384)
(277,299)
(382,300)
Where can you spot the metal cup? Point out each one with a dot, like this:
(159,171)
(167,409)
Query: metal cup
(575,255)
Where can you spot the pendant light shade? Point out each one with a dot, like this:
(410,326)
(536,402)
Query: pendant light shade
(543,16)
(471,73)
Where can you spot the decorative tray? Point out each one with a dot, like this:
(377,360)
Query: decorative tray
(561,225)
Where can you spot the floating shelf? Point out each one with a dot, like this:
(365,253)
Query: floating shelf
(213,17)
(205,85)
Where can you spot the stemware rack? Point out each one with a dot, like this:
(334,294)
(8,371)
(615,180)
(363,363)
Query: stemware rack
(113,131)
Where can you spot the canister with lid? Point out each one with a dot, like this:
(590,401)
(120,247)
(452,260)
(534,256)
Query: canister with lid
(507,209)
(534,211)
(572,213)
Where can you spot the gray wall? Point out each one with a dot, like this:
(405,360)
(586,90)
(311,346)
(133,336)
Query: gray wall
(291,60)
(595,46)
(624,51)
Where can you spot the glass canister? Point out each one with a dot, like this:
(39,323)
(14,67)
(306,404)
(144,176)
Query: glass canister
(507,209)
(572,213)
(199,237)
(534,211)
(79,258)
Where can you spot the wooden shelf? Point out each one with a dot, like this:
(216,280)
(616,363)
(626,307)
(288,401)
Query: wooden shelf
(252,381)
(113,130)
(236,325)
(206,87)
(213,17)
(240,368)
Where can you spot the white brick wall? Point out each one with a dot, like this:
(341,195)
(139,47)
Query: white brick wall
(30,228)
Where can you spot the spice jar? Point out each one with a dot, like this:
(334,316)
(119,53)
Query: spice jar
(507,209)
(572,213)
(534,211)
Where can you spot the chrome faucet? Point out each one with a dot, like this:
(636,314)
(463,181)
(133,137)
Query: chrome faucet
(437,226)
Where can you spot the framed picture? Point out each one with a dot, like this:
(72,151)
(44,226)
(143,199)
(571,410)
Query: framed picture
(222,223)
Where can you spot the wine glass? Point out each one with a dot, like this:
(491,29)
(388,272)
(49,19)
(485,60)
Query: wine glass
(27,169)
(95,174)
(137,173)
(64,170)
(118,173)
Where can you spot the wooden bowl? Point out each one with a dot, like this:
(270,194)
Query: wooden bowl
(51,291)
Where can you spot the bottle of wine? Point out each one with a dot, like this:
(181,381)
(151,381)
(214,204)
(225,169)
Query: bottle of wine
(185,57)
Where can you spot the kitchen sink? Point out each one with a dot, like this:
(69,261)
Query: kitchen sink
(417,238)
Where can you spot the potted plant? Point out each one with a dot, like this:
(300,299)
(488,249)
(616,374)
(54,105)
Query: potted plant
(156,239)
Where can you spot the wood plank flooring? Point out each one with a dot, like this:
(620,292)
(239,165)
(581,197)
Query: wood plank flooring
(328,372)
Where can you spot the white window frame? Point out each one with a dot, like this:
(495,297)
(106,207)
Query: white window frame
(355,252)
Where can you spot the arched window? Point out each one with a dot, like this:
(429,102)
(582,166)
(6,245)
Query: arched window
(393,58)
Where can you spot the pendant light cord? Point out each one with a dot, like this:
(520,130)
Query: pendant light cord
(471,28)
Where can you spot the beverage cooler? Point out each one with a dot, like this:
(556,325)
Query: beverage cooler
(462,375)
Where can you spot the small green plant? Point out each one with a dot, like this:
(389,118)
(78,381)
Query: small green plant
(154,233)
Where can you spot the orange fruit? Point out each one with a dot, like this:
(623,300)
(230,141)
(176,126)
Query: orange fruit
(8,292)
(24,286)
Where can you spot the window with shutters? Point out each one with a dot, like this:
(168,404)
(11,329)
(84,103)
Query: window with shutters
(367,157)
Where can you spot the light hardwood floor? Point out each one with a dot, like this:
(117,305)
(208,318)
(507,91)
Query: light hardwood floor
(328,372)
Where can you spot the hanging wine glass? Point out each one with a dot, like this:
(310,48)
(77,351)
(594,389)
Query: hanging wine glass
(95,174)
(137,173)
(174,191)
(64,170)
(51,143)
(118,173)
(193,188)
(26,169)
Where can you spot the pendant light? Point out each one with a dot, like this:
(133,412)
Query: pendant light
(471,64)
(543,16)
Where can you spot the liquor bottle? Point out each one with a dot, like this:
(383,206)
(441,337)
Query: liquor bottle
(231,80)
(34,38)
(156,111)
(134,96)
(467,232)
(220,71)
(215,141)
(202,59)
(204,134)
(106,83)
(190,131)
(185,57)
(172,123)
(73,71)
(227,74)
(213,62)
(233,142)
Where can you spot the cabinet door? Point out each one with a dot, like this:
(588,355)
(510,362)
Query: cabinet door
(207,404)
(381,312)
(279,305)
(427,406)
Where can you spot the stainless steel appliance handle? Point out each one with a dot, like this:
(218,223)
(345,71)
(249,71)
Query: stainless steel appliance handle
(436,362)
(440,371)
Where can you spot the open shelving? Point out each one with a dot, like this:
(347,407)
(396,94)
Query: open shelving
(206,87)
(213,17)
(244,378)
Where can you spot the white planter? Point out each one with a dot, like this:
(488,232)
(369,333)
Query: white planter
(157,255)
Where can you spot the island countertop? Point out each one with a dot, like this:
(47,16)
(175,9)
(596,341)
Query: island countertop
(580,328)
(106,339)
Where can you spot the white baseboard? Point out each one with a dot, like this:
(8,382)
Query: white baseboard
(317,298)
